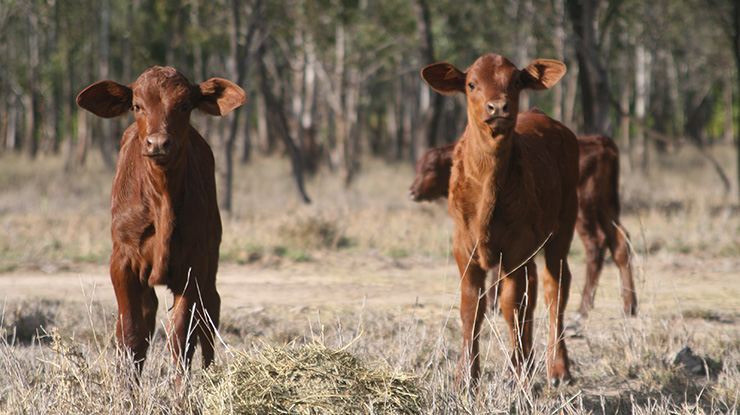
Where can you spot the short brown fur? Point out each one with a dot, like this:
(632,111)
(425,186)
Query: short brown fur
(165,223)
(598,208)
(512,192)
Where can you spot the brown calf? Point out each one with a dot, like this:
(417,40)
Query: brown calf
(598,219)
(432,179)
(512,192)
(165,224)
(598,208)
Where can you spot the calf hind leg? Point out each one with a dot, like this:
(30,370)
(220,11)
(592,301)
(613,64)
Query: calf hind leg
(619,247)
(594,264)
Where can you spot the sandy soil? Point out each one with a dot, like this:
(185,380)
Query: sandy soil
(666,285)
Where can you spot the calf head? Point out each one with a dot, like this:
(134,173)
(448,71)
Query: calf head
(432,174)
(162,100)
(492,86)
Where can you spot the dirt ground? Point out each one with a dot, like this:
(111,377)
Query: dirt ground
(670,284)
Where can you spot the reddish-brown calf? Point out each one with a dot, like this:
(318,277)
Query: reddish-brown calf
(598,208)
(512,193)
(433,169)
(598,219)
(165,224)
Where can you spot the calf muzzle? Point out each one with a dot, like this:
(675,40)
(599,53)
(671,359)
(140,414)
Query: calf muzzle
(158,147)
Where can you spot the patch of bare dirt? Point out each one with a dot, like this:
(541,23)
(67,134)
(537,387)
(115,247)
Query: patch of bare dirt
(705,288)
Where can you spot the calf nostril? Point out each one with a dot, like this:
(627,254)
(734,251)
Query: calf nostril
(491,107)
(158,145)
(505,108)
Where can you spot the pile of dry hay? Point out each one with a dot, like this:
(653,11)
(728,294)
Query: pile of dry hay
(308,380)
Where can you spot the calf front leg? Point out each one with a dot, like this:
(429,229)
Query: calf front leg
(556,281)
(472,310)
(136,310)
(518,299)
(209,315)
(180,331)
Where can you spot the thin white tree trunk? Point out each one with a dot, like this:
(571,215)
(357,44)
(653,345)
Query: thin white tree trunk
(642,85)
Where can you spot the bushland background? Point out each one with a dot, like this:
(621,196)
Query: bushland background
(337,115)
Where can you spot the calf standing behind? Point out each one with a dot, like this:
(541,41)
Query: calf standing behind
(433,170)
(598,219)
(512,192)
(165,224)
(598,208)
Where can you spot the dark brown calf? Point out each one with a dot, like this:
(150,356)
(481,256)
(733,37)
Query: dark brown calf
(165,224)
(432,179)
(598,208)
(598,219)
(512,193)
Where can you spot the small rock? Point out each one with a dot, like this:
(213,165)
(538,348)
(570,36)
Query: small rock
(696,365)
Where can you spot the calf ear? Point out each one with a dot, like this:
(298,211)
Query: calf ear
(444,78)
(106,99)
(220,97)
(542,74)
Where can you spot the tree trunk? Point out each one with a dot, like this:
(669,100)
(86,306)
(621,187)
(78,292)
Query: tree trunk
(408,111)
(106,131)
(592,76)
(11,132)
(571,92)
(624,120)
(33,114)
(559,43)
(278,124)
(52,107)
(727,97)
(351,105)
(524,39)
(3,123)
(736,50)
(224,142)
(309,147)
(393,127)
(432,103)
(639,143)
(83,139)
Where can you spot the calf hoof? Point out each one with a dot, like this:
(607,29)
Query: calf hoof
(559,374)
(558,382)
(630,309)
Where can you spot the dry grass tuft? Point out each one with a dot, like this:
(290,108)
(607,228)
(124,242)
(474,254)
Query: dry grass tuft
(312,232)
(308,379)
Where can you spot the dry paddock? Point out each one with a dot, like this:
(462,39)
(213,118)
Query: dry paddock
(368,272)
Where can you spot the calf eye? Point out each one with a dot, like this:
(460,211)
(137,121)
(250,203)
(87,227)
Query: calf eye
(185,107)
(471,86)
(137,108)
